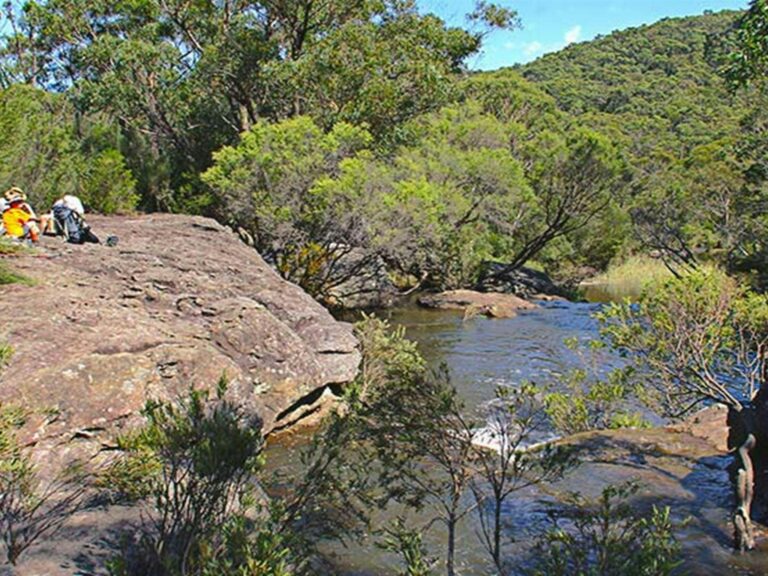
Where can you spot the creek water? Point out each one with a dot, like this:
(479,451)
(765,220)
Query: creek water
(481,354)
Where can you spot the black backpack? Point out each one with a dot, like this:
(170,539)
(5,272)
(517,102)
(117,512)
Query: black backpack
(72,225)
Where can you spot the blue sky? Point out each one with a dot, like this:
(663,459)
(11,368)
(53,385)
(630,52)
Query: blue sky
(549,25)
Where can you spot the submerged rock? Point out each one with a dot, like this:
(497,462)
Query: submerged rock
(477,303)
(179,302)
(684,467)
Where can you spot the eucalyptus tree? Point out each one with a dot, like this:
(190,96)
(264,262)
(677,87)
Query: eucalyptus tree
(48,150)
(574,178)
(185,77)
(514,458)
(276,184)
(454,197)
(747,73)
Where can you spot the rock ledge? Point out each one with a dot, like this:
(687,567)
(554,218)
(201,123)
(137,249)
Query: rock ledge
(493,305)
(177,303)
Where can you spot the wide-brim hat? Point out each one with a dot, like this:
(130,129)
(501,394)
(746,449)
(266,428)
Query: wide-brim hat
(14,193)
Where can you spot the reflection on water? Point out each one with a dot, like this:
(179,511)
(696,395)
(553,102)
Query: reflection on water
(481,354)
(613,291)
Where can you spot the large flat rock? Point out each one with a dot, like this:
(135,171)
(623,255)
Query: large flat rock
(494,305)
(684,467)
(178,302)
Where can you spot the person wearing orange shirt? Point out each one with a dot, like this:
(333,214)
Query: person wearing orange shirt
(18,222)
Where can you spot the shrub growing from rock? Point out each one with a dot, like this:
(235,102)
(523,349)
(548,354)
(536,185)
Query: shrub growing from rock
(197,458)
(608,537)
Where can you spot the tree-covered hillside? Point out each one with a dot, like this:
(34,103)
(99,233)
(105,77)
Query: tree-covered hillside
(658,85)
(318,129)
(325,128)
(661,92)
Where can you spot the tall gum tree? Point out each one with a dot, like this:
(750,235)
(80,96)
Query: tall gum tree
(185,77)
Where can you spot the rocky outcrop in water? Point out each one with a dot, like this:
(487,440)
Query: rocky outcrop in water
(477,303)
(523,282)
(179,302)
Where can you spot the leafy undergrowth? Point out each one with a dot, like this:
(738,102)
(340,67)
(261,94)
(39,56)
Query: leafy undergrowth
(9,247)
(8,276)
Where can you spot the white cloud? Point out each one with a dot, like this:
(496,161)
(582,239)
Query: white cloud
(573,35)
(533,48)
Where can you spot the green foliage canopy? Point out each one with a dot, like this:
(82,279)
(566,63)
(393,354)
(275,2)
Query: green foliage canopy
(42,153)
(703,336)
(183,79)
(749,63)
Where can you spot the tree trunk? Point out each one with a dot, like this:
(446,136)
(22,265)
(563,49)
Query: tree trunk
(748,439)
(744,483)
(450,557)
(497,534)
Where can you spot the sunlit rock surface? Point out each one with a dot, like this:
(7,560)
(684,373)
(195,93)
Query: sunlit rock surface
(179,302)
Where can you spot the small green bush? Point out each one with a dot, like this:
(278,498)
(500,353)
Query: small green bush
(408,544)
(589,400)
(9,277)
(607,538)
(108,186)
(387,355)
(6,351)
(244,550)
(131,477)
(193,463)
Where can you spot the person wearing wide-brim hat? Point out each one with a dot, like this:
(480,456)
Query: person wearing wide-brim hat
(16,193)
(18,221)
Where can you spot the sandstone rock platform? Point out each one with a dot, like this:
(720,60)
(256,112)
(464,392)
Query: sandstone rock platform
(179,302)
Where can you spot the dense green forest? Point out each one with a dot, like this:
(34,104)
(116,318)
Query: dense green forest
(321,128)
(698,182)
(338,135)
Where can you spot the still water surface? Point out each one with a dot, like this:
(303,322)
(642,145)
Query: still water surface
(483,353)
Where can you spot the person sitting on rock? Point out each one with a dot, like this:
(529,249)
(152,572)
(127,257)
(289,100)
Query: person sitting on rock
(15,193)
(3,207)
(18,221)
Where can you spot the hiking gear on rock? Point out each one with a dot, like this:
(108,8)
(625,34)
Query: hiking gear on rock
(71,202)
(72,225)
